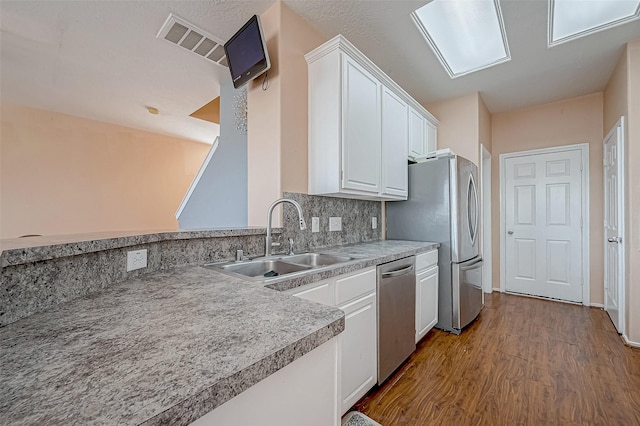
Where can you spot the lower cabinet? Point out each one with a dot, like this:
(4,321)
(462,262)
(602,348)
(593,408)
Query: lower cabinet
(359,355)
(426,293)
(301,393)
(355,294)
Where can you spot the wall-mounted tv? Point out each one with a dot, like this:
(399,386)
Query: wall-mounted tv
(246,52)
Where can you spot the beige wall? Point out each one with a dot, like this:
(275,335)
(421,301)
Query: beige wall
(277,131)
(633,192)
(567,122)
(484,124)
(263,128)
(63,175)
(459,125)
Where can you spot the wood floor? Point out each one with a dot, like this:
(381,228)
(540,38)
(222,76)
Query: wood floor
(524,361)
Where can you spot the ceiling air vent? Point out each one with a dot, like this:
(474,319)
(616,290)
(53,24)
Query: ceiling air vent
(184,34)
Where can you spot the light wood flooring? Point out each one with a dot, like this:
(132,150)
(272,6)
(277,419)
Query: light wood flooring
(524,361)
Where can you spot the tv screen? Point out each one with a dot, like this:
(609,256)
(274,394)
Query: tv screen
(246,52)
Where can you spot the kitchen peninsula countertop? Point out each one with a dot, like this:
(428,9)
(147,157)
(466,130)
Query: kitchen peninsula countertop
(166,347)
(16,251)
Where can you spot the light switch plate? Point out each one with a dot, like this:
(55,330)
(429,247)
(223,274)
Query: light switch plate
(315,224)
(374,223)
(136,259)
(335,224)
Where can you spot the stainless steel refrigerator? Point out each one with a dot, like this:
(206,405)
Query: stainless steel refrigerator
(443,206)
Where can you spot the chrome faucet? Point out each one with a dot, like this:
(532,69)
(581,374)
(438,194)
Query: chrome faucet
(268,240)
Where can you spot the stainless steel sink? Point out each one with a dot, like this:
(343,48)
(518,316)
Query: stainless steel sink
(262,269)
(316,260)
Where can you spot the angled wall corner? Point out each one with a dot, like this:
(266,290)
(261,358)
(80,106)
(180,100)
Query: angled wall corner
(217,197)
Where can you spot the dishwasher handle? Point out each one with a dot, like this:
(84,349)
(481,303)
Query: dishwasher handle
(398,272)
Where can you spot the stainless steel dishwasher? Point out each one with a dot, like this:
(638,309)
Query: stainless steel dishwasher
(396,314)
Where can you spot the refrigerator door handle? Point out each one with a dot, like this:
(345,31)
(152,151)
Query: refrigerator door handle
(470,266)
(473,227)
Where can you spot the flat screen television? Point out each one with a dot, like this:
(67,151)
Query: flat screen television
(246,52)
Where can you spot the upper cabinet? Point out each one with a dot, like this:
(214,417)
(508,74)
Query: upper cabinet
(395,137)
(361,129)
(362,126)
(422,134)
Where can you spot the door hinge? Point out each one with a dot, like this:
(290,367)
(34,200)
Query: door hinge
(341,175)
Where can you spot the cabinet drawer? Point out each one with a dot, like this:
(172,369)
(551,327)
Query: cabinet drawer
(317,292)
(356,285)
(426,260)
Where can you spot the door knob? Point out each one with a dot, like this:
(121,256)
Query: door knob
(510,232)
(614,240)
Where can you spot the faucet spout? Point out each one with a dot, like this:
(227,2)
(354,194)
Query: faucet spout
(268,240)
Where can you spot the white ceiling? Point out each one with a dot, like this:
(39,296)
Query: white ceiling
(101,59)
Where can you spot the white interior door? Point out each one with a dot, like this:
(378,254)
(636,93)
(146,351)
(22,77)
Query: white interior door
(613,225)
(543,224)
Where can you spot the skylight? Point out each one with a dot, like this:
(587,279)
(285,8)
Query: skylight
(466,36)
(570,19)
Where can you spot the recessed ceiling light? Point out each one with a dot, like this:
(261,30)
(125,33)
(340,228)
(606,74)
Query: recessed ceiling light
(153,110)
(466,36)
(570,19)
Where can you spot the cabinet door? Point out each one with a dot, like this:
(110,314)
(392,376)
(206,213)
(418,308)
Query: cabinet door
(432,138)
(359,354)
(417,133)
(426,301)
(361,129)
(395,144)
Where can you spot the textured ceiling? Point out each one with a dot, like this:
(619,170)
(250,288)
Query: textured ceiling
(101,59)
(384,31)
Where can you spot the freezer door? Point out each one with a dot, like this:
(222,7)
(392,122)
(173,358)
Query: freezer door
(465,210)
(467,291)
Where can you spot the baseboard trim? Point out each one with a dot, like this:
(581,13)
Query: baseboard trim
(596,305)
(630,342)
(497,289)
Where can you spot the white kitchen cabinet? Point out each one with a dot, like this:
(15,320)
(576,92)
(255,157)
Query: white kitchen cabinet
(321,292)
(358,126)
(426,292)
(422,134)
(417,133)
(432,137)
(361,127)
(355,294)
(301,393)
(395,137)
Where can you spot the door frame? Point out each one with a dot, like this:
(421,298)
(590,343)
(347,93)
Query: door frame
(486,235)
(620,143)
(584,150)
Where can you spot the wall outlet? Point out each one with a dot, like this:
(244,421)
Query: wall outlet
(335,224)
(374,223)
(315,224)
(136,259)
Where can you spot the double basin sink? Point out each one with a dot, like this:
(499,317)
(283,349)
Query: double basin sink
(262,269)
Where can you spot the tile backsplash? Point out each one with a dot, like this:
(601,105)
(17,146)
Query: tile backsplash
(355,216)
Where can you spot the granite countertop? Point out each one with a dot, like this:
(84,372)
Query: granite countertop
(166,347)
(16,251)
